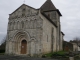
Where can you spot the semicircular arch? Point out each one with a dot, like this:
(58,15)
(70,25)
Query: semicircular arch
(18,36)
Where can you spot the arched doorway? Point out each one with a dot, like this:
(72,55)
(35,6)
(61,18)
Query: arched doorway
(23,47)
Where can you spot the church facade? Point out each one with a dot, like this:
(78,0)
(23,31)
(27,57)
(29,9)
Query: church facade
(34,31)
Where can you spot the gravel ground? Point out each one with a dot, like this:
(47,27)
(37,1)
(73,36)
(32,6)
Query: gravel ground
(5,57)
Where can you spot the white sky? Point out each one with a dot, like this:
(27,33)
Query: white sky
(70,9)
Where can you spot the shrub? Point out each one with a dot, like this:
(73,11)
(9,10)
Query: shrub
(2,51)
(47,55)
(55,54)
(61,53)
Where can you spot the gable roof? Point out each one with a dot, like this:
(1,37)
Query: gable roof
(43,6)
(21,6)
(49,6)
(48,19)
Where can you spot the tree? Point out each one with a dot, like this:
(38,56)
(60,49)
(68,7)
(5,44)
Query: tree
(75,40)
(4,39)
(3,45)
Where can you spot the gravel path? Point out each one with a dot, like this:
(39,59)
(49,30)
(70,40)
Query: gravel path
(5,57)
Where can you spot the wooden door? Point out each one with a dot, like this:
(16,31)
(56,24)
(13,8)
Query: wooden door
(24,47)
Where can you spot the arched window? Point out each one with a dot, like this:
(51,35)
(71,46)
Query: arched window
(32,24)
(23,12)
(16,25)
(11,26)
(49,15)
(22,24)
(35,23)
(26,24)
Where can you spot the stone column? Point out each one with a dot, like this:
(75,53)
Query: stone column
(19,47)
(28,47)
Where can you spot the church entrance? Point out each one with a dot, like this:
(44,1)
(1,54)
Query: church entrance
(23,47)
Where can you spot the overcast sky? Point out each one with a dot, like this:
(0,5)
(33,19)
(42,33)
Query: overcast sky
(70,9)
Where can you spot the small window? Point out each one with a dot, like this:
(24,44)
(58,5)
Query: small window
(24,10)
(49,15)
(22,24)
(40,50)
(23,14)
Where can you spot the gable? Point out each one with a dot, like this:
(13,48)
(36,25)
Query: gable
(23,10)
(47,6)
(49,19)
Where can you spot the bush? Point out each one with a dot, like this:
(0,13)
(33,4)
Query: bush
(43,56)
(61,53)
(55,54)
(2,51)
(47,55)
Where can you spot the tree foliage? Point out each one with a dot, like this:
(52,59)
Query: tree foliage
(4,39)
(76,39)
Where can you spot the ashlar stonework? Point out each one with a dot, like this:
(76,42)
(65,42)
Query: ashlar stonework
(34,31)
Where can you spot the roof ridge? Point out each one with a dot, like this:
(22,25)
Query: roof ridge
(21,6)
(48,5)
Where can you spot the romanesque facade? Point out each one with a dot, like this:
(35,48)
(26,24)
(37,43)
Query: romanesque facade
(34,31)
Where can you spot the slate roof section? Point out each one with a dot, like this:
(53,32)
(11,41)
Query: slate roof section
(62,33)
(49,19)
(49,6)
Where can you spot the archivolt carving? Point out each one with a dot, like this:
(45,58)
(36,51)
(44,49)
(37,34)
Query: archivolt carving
(34,39)
(31,23)
(21,35)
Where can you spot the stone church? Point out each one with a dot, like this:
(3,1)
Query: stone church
(34,31)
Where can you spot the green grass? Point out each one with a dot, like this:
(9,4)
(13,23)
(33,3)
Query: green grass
(60,53)
(55,54)
(48,54)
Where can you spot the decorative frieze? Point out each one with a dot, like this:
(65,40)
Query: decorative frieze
(26,23)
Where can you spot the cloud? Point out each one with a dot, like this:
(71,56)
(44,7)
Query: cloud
(70,21)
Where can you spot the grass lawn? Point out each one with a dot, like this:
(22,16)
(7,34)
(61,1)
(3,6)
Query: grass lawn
(55,54)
